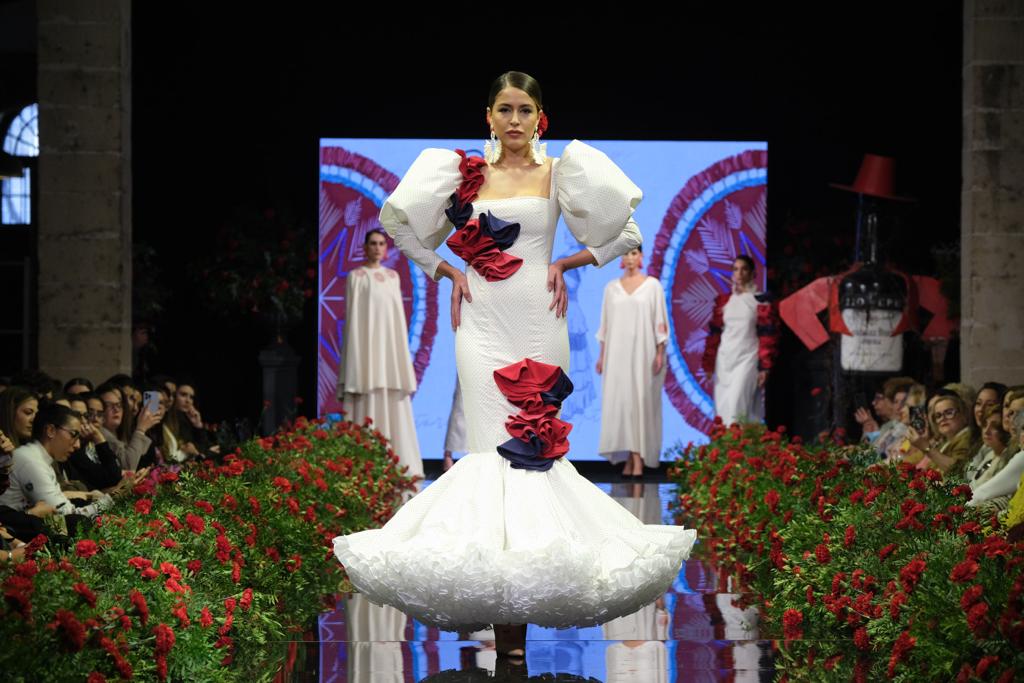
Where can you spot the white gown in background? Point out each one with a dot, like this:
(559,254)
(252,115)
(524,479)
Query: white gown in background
(632,326)
(375,374)
(489,543)
(455,436)
(737,398)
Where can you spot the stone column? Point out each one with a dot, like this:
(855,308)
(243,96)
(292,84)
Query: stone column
(992,223)
(85,207)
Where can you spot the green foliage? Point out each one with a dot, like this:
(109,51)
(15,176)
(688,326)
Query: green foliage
(865,571)
(248,541)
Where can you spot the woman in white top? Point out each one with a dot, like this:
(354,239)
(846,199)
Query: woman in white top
(375,374)
(512,534)
(633,332)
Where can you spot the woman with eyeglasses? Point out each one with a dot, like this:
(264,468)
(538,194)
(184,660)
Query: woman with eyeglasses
(94,462)
(56,433)
(955,444)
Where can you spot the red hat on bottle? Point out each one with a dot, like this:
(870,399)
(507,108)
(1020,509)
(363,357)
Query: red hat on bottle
(874,179)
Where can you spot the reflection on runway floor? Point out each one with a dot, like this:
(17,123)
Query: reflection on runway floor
(692,633)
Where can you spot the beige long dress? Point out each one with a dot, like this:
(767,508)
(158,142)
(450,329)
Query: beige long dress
(375,375)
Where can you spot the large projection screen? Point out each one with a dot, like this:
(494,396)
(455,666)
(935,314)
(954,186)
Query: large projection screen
(704,203)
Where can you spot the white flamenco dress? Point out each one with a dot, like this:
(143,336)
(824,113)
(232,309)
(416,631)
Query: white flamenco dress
(512,534)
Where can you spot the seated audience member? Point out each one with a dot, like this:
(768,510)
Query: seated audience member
(55,435)
(5,383)
(990,394)
(956,445)
(18,407)
(186,423)
(21,525)
(994,453)
(887,405)
(94,463)
(901,449)
(78,385)
(129,453)
(1005,482)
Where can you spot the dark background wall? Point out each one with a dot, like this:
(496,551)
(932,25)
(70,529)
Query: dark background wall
(229,105)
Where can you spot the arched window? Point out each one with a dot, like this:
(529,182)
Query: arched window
(21,140)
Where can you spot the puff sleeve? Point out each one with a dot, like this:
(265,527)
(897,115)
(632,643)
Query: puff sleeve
(414,214)
(597,201)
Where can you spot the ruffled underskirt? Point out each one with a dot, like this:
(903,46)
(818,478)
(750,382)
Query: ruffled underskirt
(488,544)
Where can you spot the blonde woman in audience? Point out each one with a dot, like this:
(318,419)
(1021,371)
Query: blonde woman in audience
(956,443)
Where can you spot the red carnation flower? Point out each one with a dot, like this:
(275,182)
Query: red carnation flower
(205,617)
(72,630)
(792,619)
(904,644)
(850,537)
(911,573)
(965,571)
(861,640)
(887,551)
(86,593)
(976,619)
(894,605)
(822,554)
(194,566)
(771,499)
(150,573)
(143,506)
(139,601)
(282,484)
(246,600)
(984,664)
(140,563)
(971,596)
(196,523)
(205,506)
(86,549)
(96,677)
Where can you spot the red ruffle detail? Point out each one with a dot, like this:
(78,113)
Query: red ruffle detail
(544,425)
(542,125)
(522,382)
(472,170)
(480,251)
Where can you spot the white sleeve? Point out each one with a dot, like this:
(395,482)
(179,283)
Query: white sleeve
(597,201)
(1004,483)
(39,483)
(414,214)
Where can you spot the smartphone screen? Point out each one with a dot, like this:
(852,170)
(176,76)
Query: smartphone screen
(151,399)
(917,419)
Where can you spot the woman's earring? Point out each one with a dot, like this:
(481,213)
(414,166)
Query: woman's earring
(538,149)
(492,149)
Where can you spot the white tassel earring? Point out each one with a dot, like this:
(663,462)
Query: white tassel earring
(538,149)
(492,149)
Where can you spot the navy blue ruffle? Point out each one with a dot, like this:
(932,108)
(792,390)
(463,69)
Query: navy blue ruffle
(502,232)
(458,215)
(559,391)
(525,455)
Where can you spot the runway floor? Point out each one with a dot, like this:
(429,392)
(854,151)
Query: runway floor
(693,633)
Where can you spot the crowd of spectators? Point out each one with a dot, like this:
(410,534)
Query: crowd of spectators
(68,450)
(971,437)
